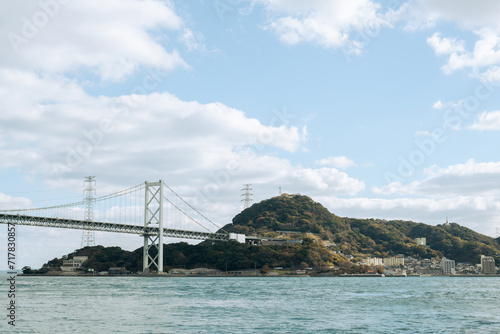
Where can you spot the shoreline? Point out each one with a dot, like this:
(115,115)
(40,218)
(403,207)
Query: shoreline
(253,275)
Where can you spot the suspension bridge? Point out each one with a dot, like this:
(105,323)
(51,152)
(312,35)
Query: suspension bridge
(141,210)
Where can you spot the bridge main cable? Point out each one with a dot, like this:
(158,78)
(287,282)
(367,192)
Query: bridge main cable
(75,204)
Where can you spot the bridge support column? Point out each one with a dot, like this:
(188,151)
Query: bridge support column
(153,216)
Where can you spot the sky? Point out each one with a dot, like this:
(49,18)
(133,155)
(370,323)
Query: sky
(376,109)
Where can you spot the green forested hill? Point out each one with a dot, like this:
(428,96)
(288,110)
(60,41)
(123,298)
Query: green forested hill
(360,237)
(288,213)
(326,240)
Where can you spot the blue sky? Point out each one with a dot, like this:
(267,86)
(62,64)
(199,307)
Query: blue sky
(383,109)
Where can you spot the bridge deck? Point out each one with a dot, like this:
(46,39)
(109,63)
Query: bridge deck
(106,227)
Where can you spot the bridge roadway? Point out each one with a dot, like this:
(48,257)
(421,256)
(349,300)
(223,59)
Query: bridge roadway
(19,219)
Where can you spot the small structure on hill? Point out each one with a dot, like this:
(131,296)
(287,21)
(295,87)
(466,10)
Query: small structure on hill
(421,241)
(74,264)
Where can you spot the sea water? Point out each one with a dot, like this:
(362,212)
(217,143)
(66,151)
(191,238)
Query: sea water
(254,305)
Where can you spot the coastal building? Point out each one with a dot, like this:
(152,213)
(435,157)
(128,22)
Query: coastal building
(74,264)
(393,261)
(374,261)
(487,265)
(426,263)
(448,266)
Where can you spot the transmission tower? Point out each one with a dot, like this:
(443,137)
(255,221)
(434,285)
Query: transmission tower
(88,237)
(247,200)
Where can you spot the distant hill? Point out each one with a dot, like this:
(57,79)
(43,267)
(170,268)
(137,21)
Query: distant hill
(326,240)
(288,213)
(279,215)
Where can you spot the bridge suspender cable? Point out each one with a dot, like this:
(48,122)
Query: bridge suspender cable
(194,220)
(192,208)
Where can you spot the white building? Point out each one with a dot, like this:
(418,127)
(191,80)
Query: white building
(394,261)
(448,266)
(487,265)
(374,261)
(421,241)
(74,264)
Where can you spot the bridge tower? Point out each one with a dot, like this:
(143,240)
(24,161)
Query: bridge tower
(153,217)
(88,236)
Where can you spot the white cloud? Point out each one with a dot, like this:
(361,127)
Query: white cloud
(470,167)
(486,53)
(467,14)
(111,38)
(336,162)
(350,25)
(487,121)
(476,212)
(59,111)
(391,188)
(480,17)
(492,74)
(11,203)
(445,46)
(192,41)
(330,24)
(327,180)
(51,127)
(427,204)
(439,105)
(472,178)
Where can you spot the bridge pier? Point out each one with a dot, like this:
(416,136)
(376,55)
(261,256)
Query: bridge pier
(153,217)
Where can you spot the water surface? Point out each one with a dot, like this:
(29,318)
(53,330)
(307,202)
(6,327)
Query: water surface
(256,305)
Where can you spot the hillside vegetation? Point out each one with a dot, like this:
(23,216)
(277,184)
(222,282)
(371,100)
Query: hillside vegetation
(325,240)
(279,215)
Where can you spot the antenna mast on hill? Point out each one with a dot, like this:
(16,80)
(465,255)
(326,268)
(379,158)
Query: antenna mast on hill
(247,200)
(88,237)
